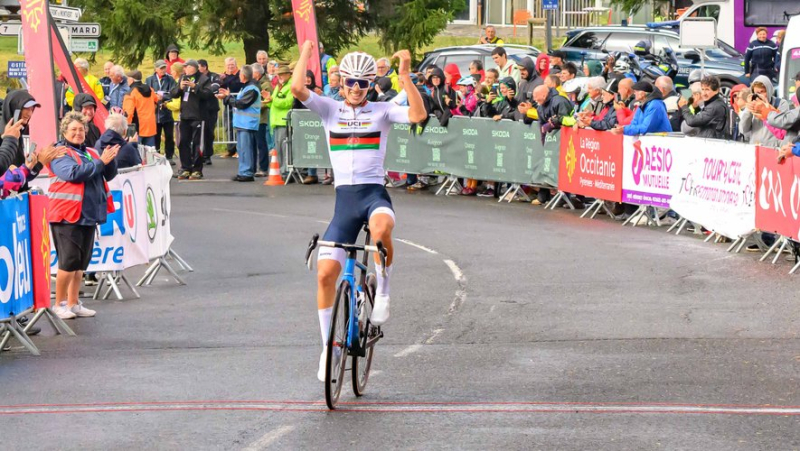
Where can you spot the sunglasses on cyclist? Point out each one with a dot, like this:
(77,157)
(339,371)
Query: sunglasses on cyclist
(352,82)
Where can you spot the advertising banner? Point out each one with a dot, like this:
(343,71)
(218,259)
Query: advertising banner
(650,168)
(591,164)
(717,187)
(16,279)
(309,143)
(158,208)
(777,193)
(40,250)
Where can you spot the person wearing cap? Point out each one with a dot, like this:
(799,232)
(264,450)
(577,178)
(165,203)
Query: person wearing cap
(490,37)
(192,89)
(712,118)
(20,104)
(85,104)
(557,60)
(162,83)
(606,118)
(140,107)
(282,101)
(506,66)
(210,108)
(650,116)
(119,89)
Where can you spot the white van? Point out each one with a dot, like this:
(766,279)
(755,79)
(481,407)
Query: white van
(790,58)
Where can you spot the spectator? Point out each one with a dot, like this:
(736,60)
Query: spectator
(383,87)
(247,114)
(119,89)
(230,81)
(606,118)
(327,63)
(491,81)
(79,202)
(737,106)
(553,81)
(553,111)
(671,98)
(529,79)
(490,37)
(650,116)
(593,102)
(779,35)
(451,76)
(333,87)
(697,102)
(558,58)
(625,88)
(568,72)
(311,84)
(788,120)
(505,67)
(140,107)
(193,88)
(384,68)
(105,82)
(282,101)
(85,104)
(468,100)
(12,149)
(116,126)
(712,119)
(262,59)
(753,119)
(576,91)
(543,66)
(210,109)
(173,56)
(760,56)
(476,70)
(442,96)
(13,180)
(264,137)
(507,106)
(83,68)
(174,105)
(162,83)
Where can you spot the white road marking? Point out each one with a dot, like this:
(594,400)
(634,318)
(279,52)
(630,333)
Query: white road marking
(418,246)
(433,336)
(324,222)
(409,350)
(269,438)
(459,276)
(461,294)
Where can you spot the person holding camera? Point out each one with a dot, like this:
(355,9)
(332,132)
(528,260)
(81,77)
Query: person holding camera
(712,118)
(162,83)
(753,119)
(140,106)
(246,106)
(210,108)
(193,89)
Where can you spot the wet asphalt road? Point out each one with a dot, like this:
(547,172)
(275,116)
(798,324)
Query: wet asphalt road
(511,328)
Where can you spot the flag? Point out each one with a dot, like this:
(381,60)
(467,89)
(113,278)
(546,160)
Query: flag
(36,21)
(305,24)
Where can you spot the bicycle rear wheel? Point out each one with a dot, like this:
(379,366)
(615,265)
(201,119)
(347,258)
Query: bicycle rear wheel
(337,345)
(361,365)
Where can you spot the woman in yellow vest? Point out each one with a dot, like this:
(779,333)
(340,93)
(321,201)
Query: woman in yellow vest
(79,201)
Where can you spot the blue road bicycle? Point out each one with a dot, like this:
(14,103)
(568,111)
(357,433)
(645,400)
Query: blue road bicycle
(351,334)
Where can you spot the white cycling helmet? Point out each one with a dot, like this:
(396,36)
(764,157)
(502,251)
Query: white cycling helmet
(576,85)
(467,80)
(622,66)
(358,65)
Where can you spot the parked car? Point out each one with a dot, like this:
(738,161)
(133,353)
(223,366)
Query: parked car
(462,56)
(592,45)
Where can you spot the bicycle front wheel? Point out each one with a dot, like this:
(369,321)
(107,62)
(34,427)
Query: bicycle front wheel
(337,345)
(361,365)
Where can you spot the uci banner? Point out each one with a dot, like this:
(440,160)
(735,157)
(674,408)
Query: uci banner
(777,193)
(16,278)
(591,164)
(717,187)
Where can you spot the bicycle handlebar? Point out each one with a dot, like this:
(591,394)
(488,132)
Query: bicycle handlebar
(378,248)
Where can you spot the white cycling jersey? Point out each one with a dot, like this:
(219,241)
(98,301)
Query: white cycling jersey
(357,137)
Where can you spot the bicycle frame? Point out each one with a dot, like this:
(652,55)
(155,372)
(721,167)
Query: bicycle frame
(350,265)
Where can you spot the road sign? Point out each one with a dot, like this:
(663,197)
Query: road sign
(549,4)
(83,45)
(65,13)
(17,69)
(85,30)
(10,28)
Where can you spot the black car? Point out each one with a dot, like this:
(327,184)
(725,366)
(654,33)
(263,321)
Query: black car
(462,56)
(592,45)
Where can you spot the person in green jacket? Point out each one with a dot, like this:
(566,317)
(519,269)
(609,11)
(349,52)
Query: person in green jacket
(279,106)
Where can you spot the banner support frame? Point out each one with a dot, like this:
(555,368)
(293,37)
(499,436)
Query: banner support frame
(10,326)
(559,197)
(57,323)
(517,191)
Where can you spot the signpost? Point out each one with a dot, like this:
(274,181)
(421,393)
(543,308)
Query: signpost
(17,69)
(83,45)
(699,33)
(85,30)
(65,13)
(10,28)
(549,6)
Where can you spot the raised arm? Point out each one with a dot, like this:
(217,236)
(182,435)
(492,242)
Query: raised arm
(416,109)
(299,90)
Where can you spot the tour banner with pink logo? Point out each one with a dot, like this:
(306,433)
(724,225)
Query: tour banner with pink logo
(717,186)
(777,193)
(650,165)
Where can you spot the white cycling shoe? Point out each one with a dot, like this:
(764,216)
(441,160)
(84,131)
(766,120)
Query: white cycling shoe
(380,312)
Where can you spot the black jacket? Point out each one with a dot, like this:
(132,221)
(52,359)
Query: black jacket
(166,84)
(555,107)
(247,98)
(191,106)
(12,149)
(711,120)
(608,121)
(128,155)
(92,132)
(759,59)
(211,106)
(506,108)
(440,107)
(231,83)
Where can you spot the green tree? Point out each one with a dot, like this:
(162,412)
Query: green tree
(412,24)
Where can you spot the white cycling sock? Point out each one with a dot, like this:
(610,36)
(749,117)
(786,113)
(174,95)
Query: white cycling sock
(383,281)
(325,323)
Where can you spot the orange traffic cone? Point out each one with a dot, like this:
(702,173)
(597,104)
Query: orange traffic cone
(274,178)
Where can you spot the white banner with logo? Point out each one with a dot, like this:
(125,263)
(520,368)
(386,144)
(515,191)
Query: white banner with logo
(139,229)
(653,167)
(716,185)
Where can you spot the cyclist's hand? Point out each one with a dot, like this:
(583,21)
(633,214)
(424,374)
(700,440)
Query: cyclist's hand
(307,46)
(405,62)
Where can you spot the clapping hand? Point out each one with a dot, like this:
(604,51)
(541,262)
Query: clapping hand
(109,153)
(134,138)
(50,153)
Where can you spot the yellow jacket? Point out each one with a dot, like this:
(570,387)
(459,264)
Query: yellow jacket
(174,105)
(93,83)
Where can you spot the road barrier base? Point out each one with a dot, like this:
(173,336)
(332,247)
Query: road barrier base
(162,262)
(10,327)
(58,324)
(514,191)
(595,208)
(554,202)
(113,280)
(450,187)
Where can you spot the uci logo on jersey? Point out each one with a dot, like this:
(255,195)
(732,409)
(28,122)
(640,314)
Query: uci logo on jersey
(351,123)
